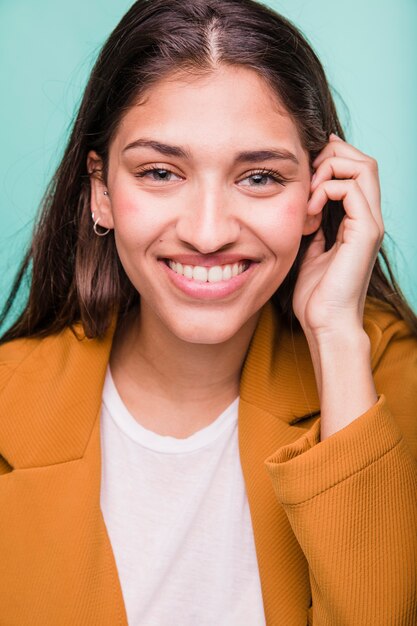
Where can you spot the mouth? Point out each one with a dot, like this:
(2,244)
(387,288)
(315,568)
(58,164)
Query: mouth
(213,274)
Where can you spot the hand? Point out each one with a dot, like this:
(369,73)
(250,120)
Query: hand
(329,296)
(331,287)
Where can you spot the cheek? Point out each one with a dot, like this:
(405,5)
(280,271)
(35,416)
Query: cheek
(282,226)
(138,221)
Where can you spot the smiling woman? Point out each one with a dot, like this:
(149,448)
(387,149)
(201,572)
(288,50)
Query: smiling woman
(202,389)
(181,222)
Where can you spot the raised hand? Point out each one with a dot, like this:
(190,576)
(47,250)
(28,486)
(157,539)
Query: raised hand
(331,288)
(330,293)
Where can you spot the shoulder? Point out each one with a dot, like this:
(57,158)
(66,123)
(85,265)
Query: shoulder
(394,365)
(32,353)
(382,315)
(388,332)
(50,396)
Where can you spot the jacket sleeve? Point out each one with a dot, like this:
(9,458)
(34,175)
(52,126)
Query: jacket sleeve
(351,499)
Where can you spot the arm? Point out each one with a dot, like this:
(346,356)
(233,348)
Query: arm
(342,365)
(352,499)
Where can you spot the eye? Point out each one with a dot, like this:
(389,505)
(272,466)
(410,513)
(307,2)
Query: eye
(156,174)
(259,178)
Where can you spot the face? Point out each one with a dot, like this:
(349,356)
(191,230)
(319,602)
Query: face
(207,187)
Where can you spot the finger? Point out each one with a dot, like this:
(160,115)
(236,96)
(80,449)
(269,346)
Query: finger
(340,237)
(338,147)
(361,171)
(354,202)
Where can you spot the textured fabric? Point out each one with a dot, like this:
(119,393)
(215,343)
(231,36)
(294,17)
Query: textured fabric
(178,519)
(334,522)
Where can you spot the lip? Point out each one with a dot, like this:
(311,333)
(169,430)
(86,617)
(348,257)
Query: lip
(208,291)
(208,261)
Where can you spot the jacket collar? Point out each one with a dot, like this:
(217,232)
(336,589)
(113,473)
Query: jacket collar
(51,388)
(277,391)
(278,374)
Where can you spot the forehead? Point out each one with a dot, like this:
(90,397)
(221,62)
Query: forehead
(231,105)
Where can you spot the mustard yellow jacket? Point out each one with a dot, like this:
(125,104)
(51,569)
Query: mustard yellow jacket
(334,522)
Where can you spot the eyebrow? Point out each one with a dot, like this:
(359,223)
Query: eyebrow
(253,156)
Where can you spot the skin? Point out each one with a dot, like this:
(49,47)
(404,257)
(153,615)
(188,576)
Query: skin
(183,355)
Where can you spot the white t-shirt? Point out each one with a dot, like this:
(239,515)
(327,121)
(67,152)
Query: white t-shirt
(177,515)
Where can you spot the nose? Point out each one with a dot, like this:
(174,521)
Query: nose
(208,222)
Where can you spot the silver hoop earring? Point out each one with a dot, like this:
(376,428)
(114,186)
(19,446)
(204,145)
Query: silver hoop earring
(98,233)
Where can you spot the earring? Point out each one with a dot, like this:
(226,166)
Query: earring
(106,232)
(105,193)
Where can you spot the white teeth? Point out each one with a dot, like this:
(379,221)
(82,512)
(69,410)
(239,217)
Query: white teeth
(227,272)
(200,274)
(213,274)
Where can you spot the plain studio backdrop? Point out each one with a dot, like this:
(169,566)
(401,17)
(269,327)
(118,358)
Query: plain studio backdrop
(368,48)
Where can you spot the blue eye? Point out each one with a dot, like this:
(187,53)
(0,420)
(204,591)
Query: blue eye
(158,174)
(261,176)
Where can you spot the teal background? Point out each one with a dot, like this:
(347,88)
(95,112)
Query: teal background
(368,49)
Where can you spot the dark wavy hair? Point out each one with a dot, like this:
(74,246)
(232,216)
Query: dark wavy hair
(77,276)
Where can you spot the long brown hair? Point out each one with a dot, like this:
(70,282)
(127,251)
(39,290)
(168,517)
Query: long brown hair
(77,276)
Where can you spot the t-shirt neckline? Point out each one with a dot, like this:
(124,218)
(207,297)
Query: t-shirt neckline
(125,421)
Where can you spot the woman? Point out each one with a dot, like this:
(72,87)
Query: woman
(204,418)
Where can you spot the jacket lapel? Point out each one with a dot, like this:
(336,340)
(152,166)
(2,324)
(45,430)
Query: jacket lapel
(57,566)
(50,390)
(274,396)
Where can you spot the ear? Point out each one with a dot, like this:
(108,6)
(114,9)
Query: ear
(312,218)
(100,202)
(312,223)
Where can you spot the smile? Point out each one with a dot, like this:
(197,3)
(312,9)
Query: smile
(213,282)
(215,274)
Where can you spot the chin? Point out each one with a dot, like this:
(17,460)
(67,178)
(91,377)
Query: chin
(206,336)
(208,333)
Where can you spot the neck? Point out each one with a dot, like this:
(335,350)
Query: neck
(158,374)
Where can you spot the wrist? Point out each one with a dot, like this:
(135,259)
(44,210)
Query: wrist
(332,340)
(342,365)
(344,354)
